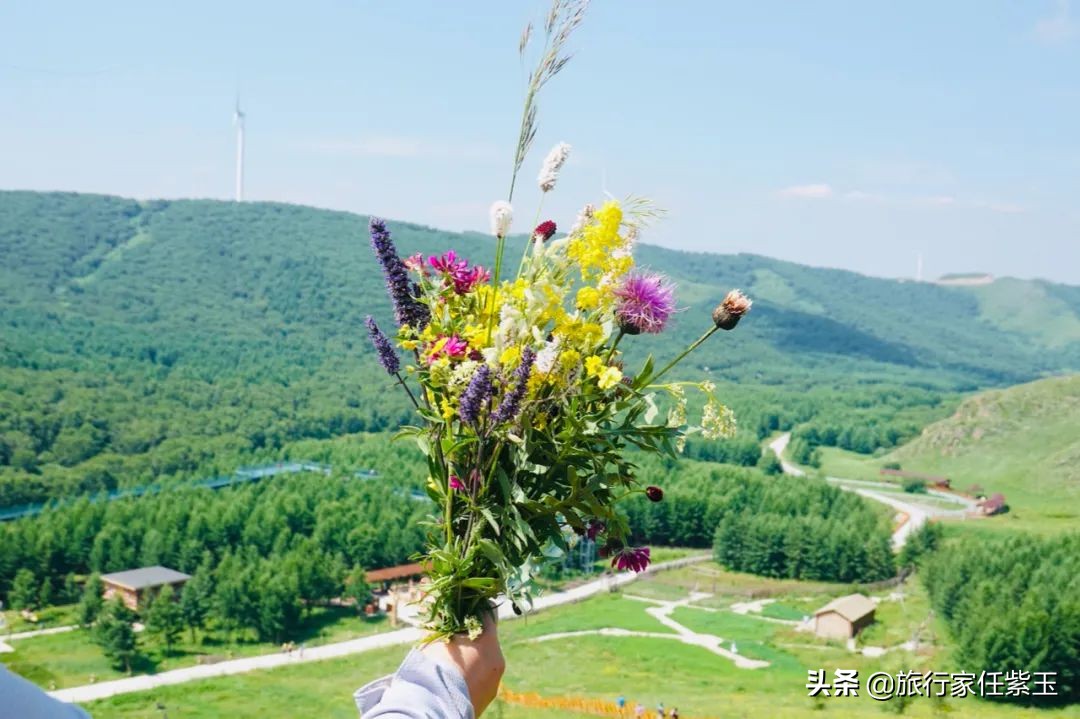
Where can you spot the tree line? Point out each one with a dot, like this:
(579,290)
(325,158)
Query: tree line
(259,550)
(773,526)
(1012,604)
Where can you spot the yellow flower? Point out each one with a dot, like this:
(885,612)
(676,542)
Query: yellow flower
(409,344)
(610,377)
(510,356)
(447,409)
(475,335)
(588,298)
(569,359)
(594,365)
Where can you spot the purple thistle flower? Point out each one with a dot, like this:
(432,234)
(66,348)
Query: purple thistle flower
(510,406)
(645,303)
(387,357)
(635,558)
(476,396)
(407,311)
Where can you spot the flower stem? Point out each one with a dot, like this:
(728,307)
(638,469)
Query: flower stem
(532,239)
(685,352)
(499,247)
(615,344)
(401,381)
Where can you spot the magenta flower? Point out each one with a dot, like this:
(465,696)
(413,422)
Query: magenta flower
(458,271)
(453,347)
(456,483)
(594,528)
(448,263)
(465,280)
(635,558)
(645,302)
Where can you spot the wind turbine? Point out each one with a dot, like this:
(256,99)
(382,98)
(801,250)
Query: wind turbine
(238,121)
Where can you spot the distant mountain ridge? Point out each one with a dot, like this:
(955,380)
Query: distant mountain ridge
(148,340)
(252,271)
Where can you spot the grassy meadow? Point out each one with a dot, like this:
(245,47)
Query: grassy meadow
(698,682)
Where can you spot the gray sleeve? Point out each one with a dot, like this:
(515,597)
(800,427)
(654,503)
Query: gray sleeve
(19,699)
(420,689)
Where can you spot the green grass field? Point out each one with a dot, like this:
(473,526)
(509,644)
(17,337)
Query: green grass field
(698,682)
(72,659)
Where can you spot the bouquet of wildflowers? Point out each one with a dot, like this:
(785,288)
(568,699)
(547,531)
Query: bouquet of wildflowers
(527,411)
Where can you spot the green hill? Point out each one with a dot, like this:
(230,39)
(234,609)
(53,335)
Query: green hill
(1022,441)
(144,340)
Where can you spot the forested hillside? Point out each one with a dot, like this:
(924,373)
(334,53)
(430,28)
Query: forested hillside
(144,341)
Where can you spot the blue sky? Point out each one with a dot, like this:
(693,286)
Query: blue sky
(844,134)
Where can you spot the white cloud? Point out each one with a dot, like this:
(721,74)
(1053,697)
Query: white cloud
(1056,28)
(940,200)
(817,191)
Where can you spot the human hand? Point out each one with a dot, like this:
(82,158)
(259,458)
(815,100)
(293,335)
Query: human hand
(480,661)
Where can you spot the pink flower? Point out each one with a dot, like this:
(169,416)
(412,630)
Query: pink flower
(458,271)
(645,303)
(415,263)
(456,483)
(448,263)
(453,347)
(635,558)
(465,280)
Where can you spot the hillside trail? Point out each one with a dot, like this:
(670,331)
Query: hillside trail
(407,635)
(912,514)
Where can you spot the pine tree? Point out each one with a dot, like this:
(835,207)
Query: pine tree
(357,587)
(24,590)
(91,604)
(164,617)
(116,636)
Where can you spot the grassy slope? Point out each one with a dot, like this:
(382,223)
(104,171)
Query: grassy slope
(194,331)
(1023,442)
(649,670)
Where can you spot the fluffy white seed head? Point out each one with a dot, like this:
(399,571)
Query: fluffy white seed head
(502,214)
(549,171)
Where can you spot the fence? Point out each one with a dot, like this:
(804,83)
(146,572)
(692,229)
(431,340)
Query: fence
(582,705)
(240,476)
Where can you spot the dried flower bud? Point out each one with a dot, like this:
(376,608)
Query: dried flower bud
(728,313)
(654,493)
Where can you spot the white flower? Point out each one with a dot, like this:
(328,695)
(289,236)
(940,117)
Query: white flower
(717,421)
(502,214)
(549,172)
(545,358)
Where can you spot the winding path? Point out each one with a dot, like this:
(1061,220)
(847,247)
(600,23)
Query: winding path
(662,613)
(408,635)
(916,515)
